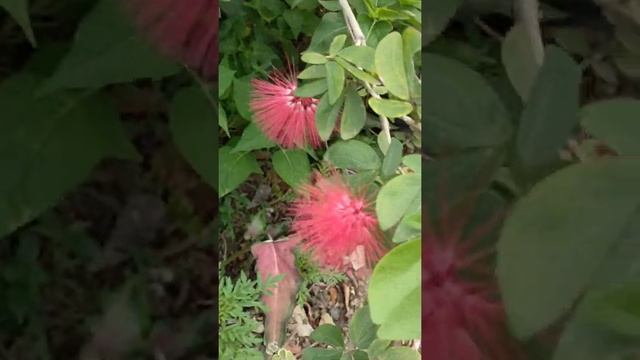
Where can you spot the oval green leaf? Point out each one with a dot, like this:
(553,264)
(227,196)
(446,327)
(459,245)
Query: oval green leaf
(398,197)
(353,154)
(392,158)
(390,65)
(337,44)
(327,115)
(315,58)
(335,81)
(292,166)
(390,108)
(394,293)
(360,56)
(616,122)
(558,235)
(234,169)
(353,116)
(193,129)
(313,72)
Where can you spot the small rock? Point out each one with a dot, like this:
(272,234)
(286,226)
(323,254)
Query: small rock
(301,322)
(325,318)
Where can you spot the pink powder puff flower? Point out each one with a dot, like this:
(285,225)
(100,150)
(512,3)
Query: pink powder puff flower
(333,222)
(285,118)
(462,315)
(184,29)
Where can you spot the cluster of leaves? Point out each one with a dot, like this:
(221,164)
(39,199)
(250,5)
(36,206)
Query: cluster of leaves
(238,329)
(362,342)
(566,255)
(63,114)
(71,122)
(311,273)
(369,114)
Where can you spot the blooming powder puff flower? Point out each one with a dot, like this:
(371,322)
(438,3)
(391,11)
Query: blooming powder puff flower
(184,29)
(333,222)
(285,118)
(463,318)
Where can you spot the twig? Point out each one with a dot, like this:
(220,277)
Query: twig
(412,123)
(527,13)
(352,24)
(488,29)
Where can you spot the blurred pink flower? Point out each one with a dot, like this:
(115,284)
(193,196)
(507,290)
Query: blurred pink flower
(184,29)
(286,119)
(462,315)
(333,222)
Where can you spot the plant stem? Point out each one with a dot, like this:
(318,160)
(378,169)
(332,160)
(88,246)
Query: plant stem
(527,12)
(359,39)
(352,24)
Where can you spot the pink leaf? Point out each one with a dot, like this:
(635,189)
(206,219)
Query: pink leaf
(277,258)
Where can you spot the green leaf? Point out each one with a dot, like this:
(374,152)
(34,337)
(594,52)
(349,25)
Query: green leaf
(411,44)
(361,56)
(398,197)
(102,54)
(392,158)
(234,169)
(558,235)
(550,115)
(413,162)
(49,145)
(328,334)
(359,355)
(315,58)
(360,74)
(332,24)
(584,338)
(292,166)
(19,10)
(225,78)
(438,13)
(619,310)
(312,88)
(193,129)
(377,347)
(383,142)
(377,31)
(353,154)
(362,331)
(519,60)
(390,108)
(330,5)
(242,95)
(327,115)
(222,120)
(321,354)
(253,139)
(353,116)
(409,228)
(394,293)
(335,81)
(337,44)
(464,112)
(616,122)
(313,72)
(295,20)
(390,65)
(400,353)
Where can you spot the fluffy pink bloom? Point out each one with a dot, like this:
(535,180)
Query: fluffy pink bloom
(463,318)
(184,29)
(286,119)
(333,221)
